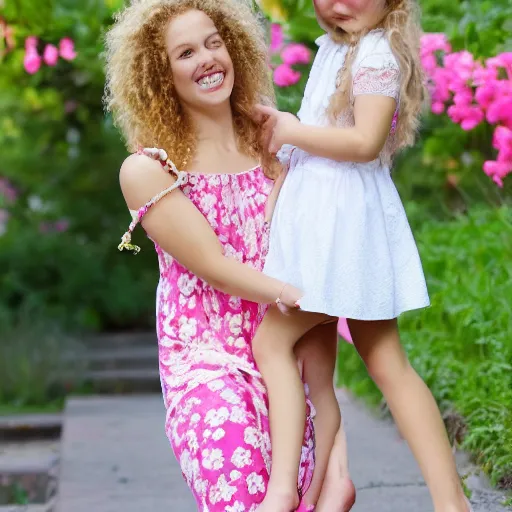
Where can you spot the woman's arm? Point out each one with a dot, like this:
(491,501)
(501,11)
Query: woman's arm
(361,143)
(183,232)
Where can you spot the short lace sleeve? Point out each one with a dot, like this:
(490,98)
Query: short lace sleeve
(376,70)
(284,155)
(137,215)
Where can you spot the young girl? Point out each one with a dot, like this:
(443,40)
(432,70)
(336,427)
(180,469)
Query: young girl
(340,233)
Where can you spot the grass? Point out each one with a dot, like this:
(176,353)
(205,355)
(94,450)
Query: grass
(462,344)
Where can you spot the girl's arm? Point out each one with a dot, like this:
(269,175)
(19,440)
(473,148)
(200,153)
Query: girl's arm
(361,143)
(176,225)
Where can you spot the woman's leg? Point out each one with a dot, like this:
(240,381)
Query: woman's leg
(219,434)
(413,407)
(331,482)
(273,348)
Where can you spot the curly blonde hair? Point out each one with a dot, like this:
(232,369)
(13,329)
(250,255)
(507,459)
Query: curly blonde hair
(403,31)
(139,87)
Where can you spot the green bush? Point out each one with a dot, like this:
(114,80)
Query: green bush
(61,154)
(35,370)
(462,344)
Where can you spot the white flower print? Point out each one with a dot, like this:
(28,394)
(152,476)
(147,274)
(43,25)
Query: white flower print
(241,458)
(189,466)
(240,342)
(188,328)
(187,284)
(235,475)
(236,507)
(195,418)
(238,415)
(235,324)
(201,486)
(216,385)
(229,396)
(207,434)
(217,417)
(190,404)
(168,327)
(252,437)
(208,201)
(192,303)
(213,459)
(250,238)
(218,434)
(221,491)
(255,484)
(192,442)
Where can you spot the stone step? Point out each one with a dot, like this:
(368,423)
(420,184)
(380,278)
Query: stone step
(29,469)
(120,340)
(30,426)
(128,380)
(119,357)
(116,457)
(47,507)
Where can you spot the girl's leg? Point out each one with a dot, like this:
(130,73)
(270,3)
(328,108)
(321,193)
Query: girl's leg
(273,351)
(331,480)
(414,409)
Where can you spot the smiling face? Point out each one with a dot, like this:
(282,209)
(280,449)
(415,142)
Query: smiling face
(350,15)
(201,66)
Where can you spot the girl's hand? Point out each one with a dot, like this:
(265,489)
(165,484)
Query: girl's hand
(289,299)
(279,126)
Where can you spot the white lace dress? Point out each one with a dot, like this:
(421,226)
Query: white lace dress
(339,230)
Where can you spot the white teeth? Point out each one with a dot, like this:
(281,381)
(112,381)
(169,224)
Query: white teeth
(211,81)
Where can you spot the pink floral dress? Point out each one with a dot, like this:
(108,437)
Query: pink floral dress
(217,410)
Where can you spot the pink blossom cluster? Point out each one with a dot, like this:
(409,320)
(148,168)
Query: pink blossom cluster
(472,92)
(8,194)
(33,61)
(7,191)
(290,54)
(59,226)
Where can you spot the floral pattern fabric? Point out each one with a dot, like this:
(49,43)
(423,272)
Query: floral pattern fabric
(217,408)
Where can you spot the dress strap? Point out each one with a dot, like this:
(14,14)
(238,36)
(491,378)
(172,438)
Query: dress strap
(137,215)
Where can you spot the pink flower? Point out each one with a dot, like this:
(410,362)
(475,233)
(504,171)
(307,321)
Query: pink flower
(467,116)
(32,61)
(500,110)
(284,76)
(296,54)
(503,60)
(30,43)
(434,42)
(61,225)
(7,190)
(67,49)
(485,95)
(276,37)
(497,171)
(51,55)
(438,107)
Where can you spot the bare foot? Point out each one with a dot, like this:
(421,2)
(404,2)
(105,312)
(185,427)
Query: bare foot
(338,495)
(338,491)
(279,502)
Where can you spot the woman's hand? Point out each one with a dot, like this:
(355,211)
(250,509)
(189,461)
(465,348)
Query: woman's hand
(279,127)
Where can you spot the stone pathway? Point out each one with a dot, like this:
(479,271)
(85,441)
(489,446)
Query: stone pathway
(115,457)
